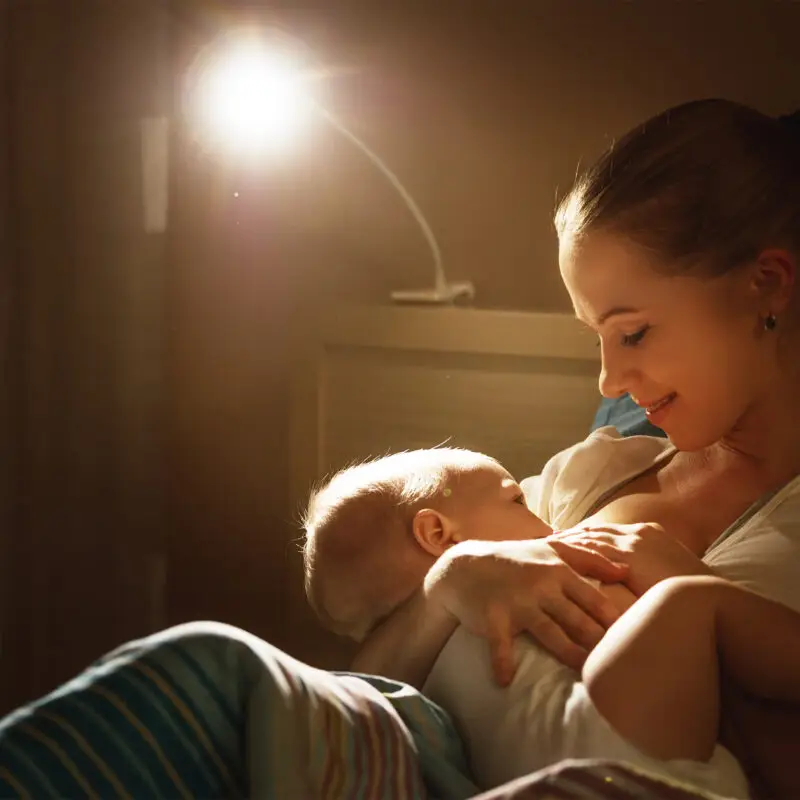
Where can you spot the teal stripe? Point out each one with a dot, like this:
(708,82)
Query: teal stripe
(321,749)
(8,790)
(389,763)
(130,742)
(402,753)
(227,742)
(231,707)
(211,685)
(85,765)
(21,756)
(201,776)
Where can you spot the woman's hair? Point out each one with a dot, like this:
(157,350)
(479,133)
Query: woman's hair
(704,187)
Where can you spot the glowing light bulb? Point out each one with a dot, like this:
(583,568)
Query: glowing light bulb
(252,99)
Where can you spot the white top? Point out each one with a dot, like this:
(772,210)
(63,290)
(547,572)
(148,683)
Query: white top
(761,550)
(510,732)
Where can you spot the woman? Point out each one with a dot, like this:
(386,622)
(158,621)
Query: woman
(680,250)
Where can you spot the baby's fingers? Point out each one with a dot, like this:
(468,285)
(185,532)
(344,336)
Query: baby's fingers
(501,649)
(551,636)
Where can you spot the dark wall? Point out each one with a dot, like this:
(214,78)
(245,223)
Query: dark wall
(85,390)
(7,427)
(486,110)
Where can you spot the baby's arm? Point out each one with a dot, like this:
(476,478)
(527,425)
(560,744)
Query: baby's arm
(407,643)
(684,632)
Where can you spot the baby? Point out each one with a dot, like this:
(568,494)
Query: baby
(375,529)
(373,532)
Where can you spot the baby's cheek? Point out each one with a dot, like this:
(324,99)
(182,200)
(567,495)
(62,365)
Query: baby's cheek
(514,525)
(534,528)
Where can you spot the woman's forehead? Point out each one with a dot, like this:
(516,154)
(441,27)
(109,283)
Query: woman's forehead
(605,274)
(601,258)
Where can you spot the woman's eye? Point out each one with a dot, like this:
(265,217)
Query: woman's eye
(632,339)
(520,498)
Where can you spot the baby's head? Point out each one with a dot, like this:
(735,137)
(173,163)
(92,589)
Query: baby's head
(375,529)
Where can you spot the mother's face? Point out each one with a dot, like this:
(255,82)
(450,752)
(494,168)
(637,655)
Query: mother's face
(691,350)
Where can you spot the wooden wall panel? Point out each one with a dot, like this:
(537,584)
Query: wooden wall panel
(85,539)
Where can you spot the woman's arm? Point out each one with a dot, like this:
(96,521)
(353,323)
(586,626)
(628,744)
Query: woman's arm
(406,645)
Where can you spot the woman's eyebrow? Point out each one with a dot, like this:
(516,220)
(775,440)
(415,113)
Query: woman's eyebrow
(606,315)
(616,311)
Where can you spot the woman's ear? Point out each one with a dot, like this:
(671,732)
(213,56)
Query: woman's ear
(773,280)
(434,531)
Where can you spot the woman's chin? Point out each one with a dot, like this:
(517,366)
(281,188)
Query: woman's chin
(694,439)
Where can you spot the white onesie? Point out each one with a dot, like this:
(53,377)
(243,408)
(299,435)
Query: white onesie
(546,715)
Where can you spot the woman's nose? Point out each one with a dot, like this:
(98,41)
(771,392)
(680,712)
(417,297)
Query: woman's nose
(613,376)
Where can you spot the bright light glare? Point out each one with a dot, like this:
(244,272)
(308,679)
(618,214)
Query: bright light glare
(253,100)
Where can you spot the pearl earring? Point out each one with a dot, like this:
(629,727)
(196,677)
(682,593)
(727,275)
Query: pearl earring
(770,322)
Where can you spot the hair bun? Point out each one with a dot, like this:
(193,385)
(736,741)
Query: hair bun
(791,121)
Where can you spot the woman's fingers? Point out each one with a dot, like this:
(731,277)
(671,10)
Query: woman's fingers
(589,563)
(608,551)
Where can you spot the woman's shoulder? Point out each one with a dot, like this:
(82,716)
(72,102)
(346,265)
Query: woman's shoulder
(763,553)
(574,478)
(608,444)
(776,517)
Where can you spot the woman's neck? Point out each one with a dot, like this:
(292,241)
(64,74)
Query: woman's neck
(766,439)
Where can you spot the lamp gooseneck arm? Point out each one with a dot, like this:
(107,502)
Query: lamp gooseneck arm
(419,217)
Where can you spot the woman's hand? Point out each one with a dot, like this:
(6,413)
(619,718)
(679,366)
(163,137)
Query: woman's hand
(500,589)
(651,554)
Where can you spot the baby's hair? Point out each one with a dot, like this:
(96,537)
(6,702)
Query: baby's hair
(704,187)
(379,496)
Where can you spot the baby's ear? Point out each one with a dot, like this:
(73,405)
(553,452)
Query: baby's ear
(434,531)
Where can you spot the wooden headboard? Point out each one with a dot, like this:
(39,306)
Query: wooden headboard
(519,386)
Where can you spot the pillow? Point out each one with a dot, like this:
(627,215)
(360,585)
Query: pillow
(628,418)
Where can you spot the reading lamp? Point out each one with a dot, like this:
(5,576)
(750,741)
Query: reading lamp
(253,96)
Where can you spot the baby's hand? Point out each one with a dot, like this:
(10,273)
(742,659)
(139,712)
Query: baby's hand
(498,590)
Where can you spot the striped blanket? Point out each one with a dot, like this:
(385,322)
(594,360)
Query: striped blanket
(206,711)
(209,711)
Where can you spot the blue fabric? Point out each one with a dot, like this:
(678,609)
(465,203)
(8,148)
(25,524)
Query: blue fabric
(628,418)
(439,747)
